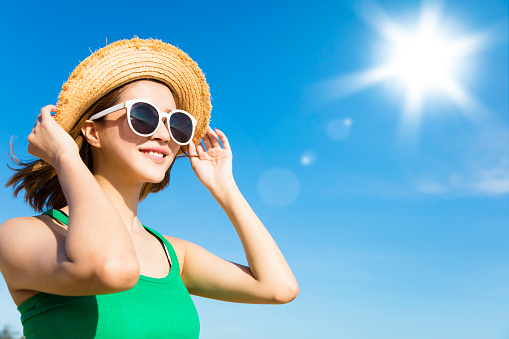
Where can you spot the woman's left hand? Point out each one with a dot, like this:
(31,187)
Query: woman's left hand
(213,167)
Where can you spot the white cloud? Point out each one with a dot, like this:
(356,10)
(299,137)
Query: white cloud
(467,184)
(492,186)
(479,178)
(432,188)
(485,169)
(494,180)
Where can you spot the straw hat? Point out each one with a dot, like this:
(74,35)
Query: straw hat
(127,60)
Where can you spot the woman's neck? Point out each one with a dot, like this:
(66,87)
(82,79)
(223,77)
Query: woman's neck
(125,199)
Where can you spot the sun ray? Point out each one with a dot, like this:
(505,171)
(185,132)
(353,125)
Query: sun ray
(346,85)
(470,106)
(422,59)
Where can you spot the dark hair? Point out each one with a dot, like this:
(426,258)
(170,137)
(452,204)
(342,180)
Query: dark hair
(39,179)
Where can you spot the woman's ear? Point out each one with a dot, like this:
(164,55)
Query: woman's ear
(90,131)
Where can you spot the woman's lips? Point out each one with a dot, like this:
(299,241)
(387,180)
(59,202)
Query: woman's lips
(154,157)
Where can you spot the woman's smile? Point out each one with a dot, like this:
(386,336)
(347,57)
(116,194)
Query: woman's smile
(158,155)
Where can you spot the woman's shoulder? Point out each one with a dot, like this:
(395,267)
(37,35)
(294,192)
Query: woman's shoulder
(22,233)
(180,246)
(20,225)
(27,244)
(29,226)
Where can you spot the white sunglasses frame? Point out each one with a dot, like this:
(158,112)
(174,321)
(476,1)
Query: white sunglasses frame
(129,104)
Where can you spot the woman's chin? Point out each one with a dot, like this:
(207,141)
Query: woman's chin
(153,174)
(154,179)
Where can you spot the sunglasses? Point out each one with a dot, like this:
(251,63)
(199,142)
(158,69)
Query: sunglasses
(144,119)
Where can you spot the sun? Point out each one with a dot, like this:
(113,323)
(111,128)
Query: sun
(423,58)
(423,61)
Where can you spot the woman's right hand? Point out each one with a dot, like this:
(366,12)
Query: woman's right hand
(48,140)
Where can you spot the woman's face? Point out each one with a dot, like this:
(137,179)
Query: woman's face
(125,154)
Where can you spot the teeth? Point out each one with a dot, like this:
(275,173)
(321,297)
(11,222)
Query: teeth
(155,154)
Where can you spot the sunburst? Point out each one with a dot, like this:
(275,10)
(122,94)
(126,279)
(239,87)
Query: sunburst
(423,61)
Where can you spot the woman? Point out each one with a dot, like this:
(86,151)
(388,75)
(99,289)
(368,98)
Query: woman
(87,267)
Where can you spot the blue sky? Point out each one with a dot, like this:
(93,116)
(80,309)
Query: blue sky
(390,233)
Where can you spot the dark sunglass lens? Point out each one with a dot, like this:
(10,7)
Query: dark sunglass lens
(181,127)
(144,118)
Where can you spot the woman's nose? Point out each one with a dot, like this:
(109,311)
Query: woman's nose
(162,132)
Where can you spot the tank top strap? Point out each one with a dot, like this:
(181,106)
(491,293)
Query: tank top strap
(170,251)
(58,215)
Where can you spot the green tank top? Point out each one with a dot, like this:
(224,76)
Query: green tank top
(153,308)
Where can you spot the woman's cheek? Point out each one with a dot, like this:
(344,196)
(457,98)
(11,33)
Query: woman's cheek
(125,128)
(127,134)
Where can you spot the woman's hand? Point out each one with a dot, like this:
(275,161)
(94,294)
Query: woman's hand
(213,167)
(48,140)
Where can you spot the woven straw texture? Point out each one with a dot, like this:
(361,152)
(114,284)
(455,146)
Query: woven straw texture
(127,60)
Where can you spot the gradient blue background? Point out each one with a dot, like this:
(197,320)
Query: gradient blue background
(385,240)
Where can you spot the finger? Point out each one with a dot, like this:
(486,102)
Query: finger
(213,137)
(192,148)
(223,138)
(193,155)
(46,111)
(207,141)
(201,151)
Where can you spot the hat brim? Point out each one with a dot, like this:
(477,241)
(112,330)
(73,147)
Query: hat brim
(129,60)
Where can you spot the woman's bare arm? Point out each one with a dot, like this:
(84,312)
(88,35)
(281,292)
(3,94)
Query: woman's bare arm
(99,253)
(268,279)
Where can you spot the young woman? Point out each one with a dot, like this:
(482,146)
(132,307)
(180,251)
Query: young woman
(87,267)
